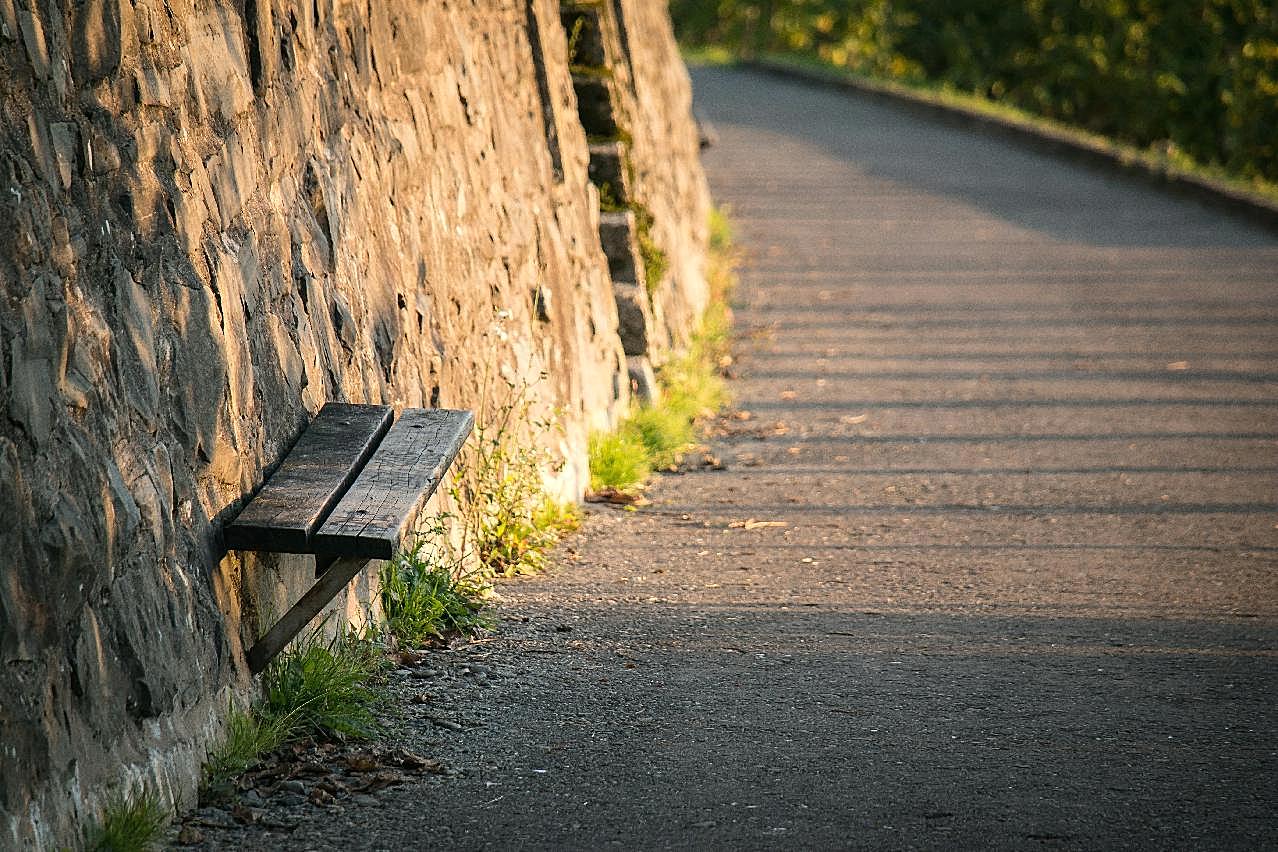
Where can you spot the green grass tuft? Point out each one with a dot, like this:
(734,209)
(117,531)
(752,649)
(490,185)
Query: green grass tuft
(618,461)
(321,687)
(665,431)
(423,598)
(248,737)
(130,823)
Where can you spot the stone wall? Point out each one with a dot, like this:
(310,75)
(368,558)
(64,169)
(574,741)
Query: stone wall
(217,214)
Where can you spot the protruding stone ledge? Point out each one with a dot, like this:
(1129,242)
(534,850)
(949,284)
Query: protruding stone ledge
(618,234)
(635,324)
(595,105)
(608,171)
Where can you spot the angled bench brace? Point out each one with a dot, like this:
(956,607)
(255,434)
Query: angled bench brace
(353,486)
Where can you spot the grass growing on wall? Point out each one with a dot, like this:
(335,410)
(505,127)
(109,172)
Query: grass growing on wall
(692,389)
(1193,83)
(508,520)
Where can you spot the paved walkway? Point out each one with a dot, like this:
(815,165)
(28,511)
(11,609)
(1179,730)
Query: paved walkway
(995,564)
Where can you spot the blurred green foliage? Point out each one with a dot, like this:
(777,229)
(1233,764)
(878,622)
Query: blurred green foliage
(1192,78)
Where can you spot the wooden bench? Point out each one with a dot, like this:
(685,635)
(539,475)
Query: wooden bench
(351,488)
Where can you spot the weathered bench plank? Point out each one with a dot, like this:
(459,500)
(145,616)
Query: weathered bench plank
(295,500)
(384,501)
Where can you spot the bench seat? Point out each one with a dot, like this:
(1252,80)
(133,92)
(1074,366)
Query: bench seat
(351,489)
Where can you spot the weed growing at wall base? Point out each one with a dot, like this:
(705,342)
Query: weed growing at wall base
(130,823)
(508,520)
(423,597)
(317,687)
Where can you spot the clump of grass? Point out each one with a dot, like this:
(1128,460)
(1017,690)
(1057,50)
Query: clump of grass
(130,823)
(322,687)
(316,688)
(248,736)
(666,431)
(424,594)
(618,462)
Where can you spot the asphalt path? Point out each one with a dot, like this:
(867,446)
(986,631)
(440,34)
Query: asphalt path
(994,563)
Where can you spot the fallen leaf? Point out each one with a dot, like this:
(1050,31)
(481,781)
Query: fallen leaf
(616,497)
(361,763)
(378,781)
(1178,365)
(788,394)
(752,524)
(853,419)
(320,796)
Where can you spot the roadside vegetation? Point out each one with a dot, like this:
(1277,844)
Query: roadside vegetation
(1190,87)
(508,521)
(131,822)
(657,436)
(319,687)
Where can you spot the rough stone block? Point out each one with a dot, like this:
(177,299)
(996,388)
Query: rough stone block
(33,39)
(643,381)
(618,236)
(608,171)
(595,105)
(634,317)
(65,143)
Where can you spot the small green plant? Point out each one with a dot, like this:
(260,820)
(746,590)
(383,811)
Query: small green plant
(322,687)
(665,431)
(655,261)
(508,521)
(574,38)
(249,735)
(423,597)
(130,823)
(618,462)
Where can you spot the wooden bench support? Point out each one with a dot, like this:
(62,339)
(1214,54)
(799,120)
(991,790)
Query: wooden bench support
(332,581)
(350,490)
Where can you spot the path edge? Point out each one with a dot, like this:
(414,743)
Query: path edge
(1254,208)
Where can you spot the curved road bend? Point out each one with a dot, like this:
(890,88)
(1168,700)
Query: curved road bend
(1012,580)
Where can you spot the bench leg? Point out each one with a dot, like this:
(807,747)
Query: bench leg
(323,563)
(316,598)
